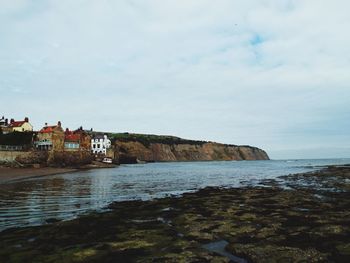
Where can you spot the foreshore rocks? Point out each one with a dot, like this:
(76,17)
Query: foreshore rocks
(69,159)
(35,158)
(208,151)
(309,221)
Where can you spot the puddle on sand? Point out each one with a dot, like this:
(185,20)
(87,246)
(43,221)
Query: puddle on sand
(218,247)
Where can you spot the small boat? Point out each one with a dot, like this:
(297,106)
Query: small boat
(107,160)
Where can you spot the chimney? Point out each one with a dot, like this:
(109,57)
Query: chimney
(59,124)
(12,121)
(26,119)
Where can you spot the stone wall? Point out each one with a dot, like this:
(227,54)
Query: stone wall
(10,156)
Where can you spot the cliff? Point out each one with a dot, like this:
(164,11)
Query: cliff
(152,148)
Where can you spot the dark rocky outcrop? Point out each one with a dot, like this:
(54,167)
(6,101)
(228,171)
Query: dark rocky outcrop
(69,159)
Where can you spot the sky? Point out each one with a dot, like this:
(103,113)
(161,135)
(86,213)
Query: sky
(269,73)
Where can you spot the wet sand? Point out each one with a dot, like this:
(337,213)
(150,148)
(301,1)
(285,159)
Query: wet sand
(307,220)
(8,174)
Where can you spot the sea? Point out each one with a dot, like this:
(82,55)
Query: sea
(38,201)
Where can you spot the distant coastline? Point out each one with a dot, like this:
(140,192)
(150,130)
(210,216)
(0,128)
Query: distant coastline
(55,146)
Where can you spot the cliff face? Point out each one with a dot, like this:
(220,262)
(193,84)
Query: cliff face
(209,151)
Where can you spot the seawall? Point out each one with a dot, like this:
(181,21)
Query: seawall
(10,156)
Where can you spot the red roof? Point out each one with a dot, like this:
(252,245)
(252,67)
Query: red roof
(71,137)
(48,129)
(17,123)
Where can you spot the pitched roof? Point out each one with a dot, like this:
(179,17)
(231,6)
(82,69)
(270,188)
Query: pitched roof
(98,136)
(70,136)
(17,123)
(48,129)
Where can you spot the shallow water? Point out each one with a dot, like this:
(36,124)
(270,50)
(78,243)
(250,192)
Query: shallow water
(218,247)
(33,201)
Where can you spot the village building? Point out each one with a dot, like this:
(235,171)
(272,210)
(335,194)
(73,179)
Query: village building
(3,122)
(99,144)
(50,138)
(77,140)
(15,126)
(71,141)
(4,125)
(85,139)
(20,126)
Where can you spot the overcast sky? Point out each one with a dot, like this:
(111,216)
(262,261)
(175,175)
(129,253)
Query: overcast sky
(270,73)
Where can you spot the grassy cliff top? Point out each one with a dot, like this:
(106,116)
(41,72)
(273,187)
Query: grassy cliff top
(147,139)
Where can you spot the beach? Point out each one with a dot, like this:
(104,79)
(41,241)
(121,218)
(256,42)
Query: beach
(307,220)
(8,174)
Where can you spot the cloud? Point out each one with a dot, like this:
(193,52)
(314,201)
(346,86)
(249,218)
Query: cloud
(268,73)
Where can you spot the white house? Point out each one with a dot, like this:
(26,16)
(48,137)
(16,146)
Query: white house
(99,144)
(21,126)
(12,126)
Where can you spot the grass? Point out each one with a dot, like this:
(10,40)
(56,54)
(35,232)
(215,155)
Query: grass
(147,139)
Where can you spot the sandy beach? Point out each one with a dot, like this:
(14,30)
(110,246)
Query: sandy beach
(13,174)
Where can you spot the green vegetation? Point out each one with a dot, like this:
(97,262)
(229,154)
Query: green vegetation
(147,139)
(16,138)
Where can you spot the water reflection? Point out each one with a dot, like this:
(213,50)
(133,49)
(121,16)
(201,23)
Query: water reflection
(33,201)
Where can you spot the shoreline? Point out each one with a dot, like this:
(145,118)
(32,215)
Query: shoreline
(10,174)
(307,222)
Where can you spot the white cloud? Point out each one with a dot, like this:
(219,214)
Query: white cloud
(244,72)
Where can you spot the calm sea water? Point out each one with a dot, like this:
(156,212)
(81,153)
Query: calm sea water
(33,201)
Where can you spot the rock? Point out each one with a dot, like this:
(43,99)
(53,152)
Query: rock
(261,224)
(52,220)
(131,151)
(276,254)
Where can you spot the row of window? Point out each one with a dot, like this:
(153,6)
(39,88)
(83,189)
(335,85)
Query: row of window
(97,146)
(98,151)
(70,145)
(97,140)
(10,148)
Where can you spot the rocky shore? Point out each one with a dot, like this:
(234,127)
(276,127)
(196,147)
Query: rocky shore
(299,218)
